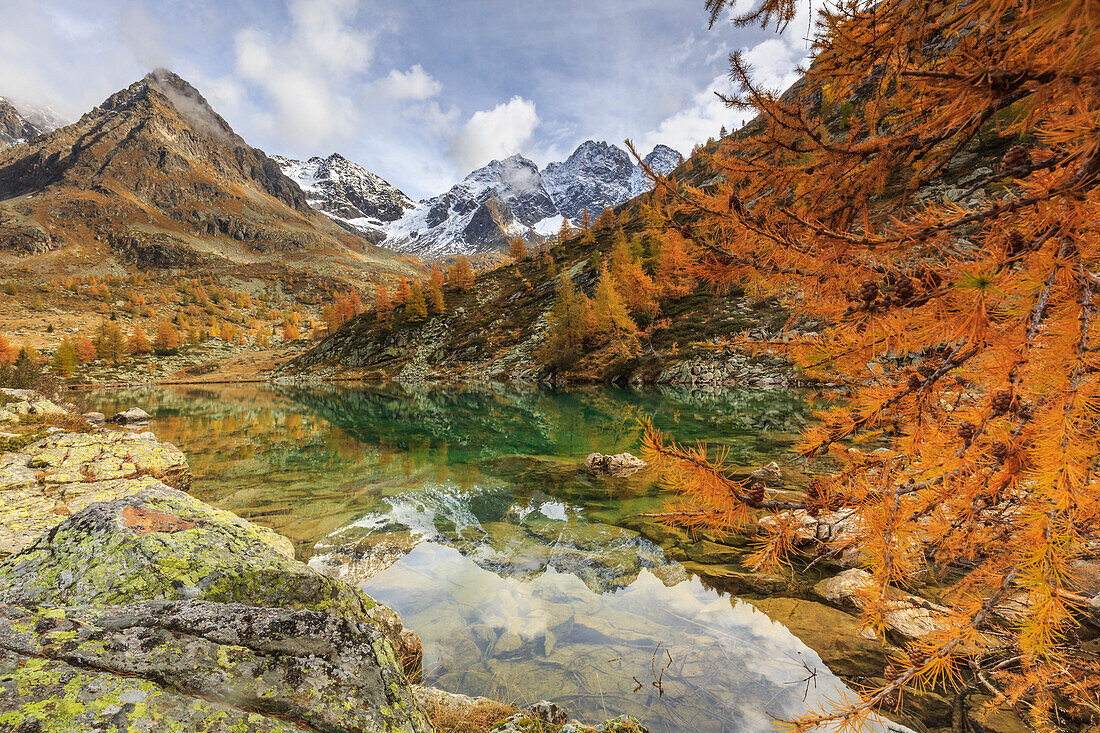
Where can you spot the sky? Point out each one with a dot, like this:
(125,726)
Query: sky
(420,92)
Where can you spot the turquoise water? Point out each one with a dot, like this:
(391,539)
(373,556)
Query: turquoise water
(467,511)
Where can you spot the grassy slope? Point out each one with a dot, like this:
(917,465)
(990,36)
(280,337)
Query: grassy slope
(498,327)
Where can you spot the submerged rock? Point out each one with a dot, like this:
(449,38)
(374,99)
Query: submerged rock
(132,416)
(620,465)
(910,617)
(96,419)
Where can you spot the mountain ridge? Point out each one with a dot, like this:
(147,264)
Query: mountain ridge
(512,198)
(154,177)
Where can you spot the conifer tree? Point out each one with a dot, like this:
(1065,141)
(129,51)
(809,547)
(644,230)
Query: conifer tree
(290,331)
(138,342)
(462,277)
(569,324)
(167,339)
(85,350)
(382,305)
(7,351)
(517,250)
(109,342)
(402,294)
(565,231)
(64,360)
(436,301)
(606,219)
(415,308)
(586,220)
(962,321)
(610,318)
(637,288)
(674,267)
(437,279)
(586,228)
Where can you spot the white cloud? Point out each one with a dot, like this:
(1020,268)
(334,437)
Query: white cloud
(495,133)
(774,63)
(306,71)
(414,84)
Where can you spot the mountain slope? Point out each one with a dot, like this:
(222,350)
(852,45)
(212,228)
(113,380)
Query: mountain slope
(154,177)
(346,191)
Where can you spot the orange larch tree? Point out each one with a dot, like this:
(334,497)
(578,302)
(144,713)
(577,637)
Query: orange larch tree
(957,300)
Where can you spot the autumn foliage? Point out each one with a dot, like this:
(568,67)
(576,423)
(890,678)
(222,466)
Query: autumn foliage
(929,194)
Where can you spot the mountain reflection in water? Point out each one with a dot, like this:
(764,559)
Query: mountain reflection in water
(467,511)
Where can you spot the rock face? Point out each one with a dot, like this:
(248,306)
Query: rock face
(346,191)
(14,127)
(620,465)
(512,198)
(178,616)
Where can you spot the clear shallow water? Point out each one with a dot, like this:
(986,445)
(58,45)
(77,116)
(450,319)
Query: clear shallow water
(466,511)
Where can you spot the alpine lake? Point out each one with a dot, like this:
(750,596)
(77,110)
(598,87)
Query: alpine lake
(469,511)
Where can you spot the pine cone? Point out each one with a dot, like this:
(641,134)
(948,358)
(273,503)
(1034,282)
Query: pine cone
(756,493)
(1017,243)
(890,701)
(686,231)
(1017,157)
(998,449)
(915,381)
(868,291)
(889,673)
(926,370)
(905,290)
(1025,412)
(815,490)
(917,657)
(1001,402)
(967,430)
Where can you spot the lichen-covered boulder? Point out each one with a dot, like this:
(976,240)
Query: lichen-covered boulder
(315,670)
(50,479)
(160,543)
(158,593)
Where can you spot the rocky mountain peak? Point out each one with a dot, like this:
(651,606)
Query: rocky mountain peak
(598,175)
(347,191)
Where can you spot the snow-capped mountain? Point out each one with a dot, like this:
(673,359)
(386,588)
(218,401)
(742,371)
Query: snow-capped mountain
(346,191)
(598,175)
(481,213)
(19,124)
(513,198)
(662,159)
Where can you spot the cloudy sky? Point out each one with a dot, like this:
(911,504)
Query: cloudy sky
(418,91)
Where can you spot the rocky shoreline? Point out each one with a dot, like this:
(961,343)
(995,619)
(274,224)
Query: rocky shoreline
(127,604)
